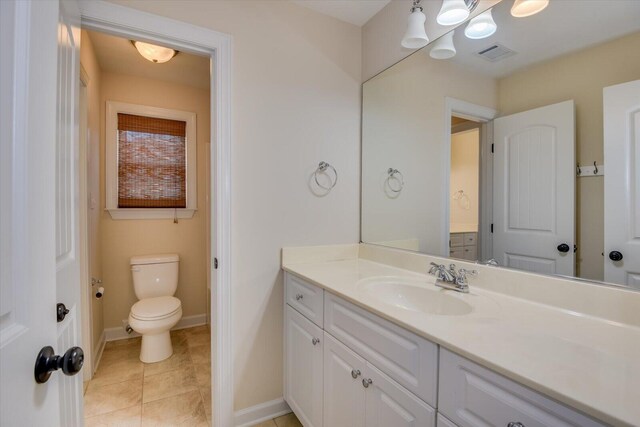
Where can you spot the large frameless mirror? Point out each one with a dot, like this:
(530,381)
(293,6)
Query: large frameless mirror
(521,146)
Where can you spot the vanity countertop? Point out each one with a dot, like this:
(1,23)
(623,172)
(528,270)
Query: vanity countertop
(585,362)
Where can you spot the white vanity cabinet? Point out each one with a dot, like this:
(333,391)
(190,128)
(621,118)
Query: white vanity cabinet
(347,367)
(303,373)
(463,246)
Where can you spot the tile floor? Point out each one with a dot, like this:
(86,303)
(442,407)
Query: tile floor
(175,392)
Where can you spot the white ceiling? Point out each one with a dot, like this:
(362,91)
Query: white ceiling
(564,26)
(356,12)
(118,55)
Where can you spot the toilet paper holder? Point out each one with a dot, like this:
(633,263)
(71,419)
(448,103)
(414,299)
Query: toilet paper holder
(100,290)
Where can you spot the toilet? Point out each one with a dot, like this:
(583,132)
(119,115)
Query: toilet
(155,280)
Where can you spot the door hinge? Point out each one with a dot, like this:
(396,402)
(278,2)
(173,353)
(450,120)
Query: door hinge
(492,147)
(215,263)
(492,227)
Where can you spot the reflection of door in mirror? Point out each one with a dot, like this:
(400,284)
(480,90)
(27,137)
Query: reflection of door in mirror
(534,189)
(464,183)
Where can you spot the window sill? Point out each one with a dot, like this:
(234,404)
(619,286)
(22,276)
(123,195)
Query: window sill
(146,213)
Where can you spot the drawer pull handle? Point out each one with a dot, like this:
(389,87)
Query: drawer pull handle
(355,373)
(315,341)
(299,297)
(515,424)
(366,382)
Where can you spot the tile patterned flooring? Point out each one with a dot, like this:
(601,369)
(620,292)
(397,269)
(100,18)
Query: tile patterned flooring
(125,392)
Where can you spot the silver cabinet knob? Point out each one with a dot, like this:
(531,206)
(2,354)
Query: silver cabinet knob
(366,382)
(355,373)
(515,424)
(315,341)
(299,297)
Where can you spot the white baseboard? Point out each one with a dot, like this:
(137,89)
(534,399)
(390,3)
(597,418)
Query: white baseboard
(97,353)
(118,333)
(260,413)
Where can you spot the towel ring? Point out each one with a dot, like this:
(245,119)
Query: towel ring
(322,168)
(397,176)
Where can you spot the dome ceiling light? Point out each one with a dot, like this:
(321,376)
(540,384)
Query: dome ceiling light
(154,53)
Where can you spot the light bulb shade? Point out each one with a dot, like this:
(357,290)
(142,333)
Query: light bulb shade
(481,26)
(524,8)
(154,53)
(416,36)
(443,48)
(452,12)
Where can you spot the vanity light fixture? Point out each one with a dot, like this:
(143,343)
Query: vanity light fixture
(154,53)
(482,26)
(443,48)
(452,12)
(524,8)
(416,36)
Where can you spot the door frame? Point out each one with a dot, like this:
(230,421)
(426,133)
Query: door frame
(484,115)
(135,24)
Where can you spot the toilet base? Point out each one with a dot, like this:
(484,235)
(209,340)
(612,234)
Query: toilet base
(156,348)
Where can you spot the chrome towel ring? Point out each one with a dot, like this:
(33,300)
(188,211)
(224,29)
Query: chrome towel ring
(322,169)
(396,175)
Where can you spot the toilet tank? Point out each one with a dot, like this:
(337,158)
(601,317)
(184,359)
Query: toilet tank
(155,275)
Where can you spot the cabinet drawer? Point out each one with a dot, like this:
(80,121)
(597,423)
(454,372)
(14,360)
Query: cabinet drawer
(407,358)
(304,297)
(456,239)
(473,396)
(456,253)
(470,253)
(470,238)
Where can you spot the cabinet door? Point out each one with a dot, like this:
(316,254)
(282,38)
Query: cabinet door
(303,368)
(390,404)
(344,395)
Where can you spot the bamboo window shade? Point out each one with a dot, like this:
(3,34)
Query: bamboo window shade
(151,162)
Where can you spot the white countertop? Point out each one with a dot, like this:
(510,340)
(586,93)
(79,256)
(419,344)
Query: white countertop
(585,362)
(463,228)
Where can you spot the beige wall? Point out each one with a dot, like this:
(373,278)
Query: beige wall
(465,175)
(122,239)
(403,126)
(92,150)
(580,76)
(296,101)
(382,34)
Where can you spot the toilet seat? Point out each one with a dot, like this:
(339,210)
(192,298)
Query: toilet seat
(155,308)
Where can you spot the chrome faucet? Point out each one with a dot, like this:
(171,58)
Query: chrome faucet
(455,280)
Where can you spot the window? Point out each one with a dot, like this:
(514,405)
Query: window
(150,162)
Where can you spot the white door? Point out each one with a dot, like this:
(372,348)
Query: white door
(344,393)
(534,190)
(303,368)
(389,404)
(67,206)
(35,108)
(622,183)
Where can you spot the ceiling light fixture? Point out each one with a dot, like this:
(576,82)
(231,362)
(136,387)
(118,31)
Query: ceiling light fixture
(524,8)
(416,36)
(443,48)
(482,26)
(154,53)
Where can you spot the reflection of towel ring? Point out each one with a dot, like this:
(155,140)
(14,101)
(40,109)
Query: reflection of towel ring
(322,168)
(463,199)
(397,176)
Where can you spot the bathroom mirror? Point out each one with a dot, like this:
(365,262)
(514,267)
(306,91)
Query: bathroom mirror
(521,146)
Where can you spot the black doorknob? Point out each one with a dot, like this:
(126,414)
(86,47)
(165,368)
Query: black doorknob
(47,361)
(615,256)
(563,247)
(61,311)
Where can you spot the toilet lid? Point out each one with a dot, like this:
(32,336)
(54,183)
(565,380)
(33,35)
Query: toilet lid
(155,308)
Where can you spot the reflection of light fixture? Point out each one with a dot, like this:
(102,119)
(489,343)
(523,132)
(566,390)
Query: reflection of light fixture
(443,48)
(481,26)
(416,36)
(523,8)
(154,53)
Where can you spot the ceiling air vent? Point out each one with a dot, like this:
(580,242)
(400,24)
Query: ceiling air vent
(495,53)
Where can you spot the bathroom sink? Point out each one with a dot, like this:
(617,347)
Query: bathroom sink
(415,295)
